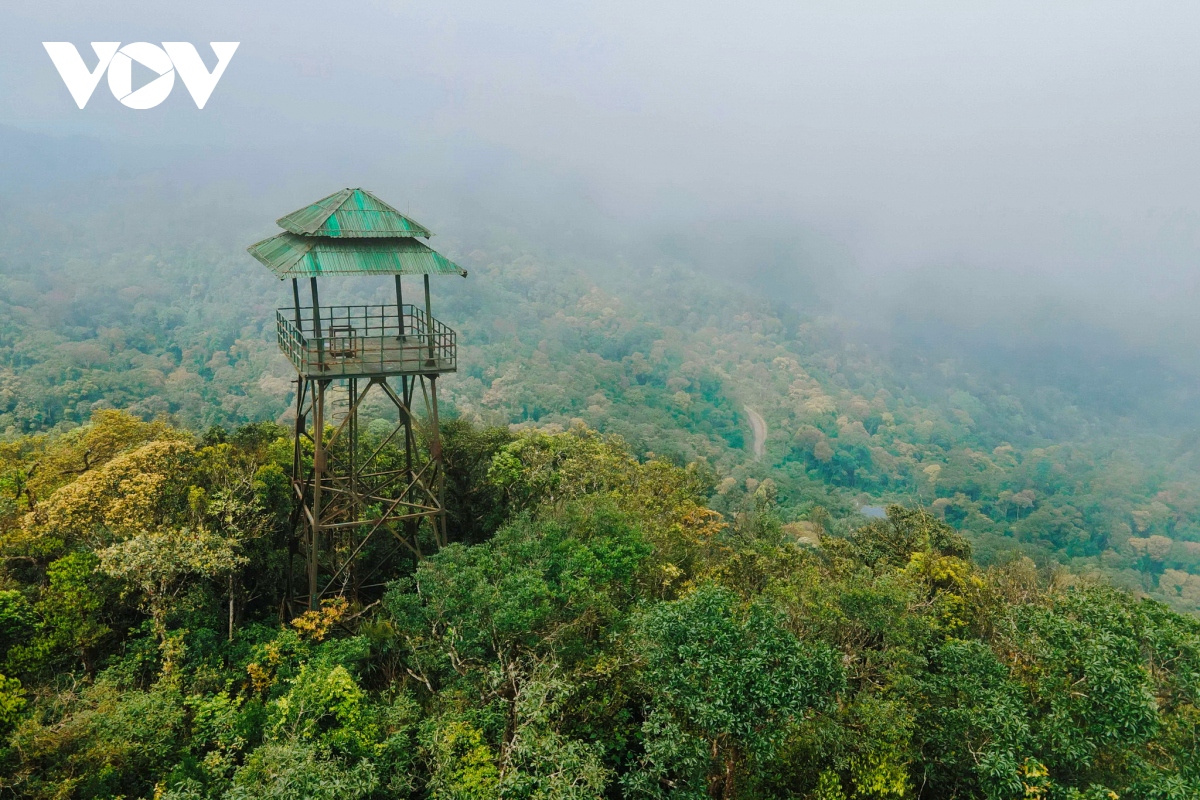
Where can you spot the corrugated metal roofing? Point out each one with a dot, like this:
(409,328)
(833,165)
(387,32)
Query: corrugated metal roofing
(292,256)
(352,213)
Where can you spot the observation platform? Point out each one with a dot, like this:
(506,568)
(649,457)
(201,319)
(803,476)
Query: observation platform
(366,342)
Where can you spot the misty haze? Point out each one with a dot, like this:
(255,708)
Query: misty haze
(817,416)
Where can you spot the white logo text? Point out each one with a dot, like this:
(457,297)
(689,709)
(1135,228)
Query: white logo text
(164,61)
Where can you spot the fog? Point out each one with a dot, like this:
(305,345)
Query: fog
(1018,168)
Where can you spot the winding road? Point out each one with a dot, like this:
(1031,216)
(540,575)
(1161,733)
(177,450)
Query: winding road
(760,431)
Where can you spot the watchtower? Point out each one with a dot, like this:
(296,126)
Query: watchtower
(345,491)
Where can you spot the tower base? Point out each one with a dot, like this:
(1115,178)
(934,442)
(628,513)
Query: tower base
(362,500)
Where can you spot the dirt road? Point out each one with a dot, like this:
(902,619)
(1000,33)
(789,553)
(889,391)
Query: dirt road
(760,431)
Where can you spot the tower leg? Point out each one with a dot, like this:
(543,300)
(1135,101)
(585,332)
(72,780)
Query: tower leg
(297,517)
(356,502)
(407,384)
(435,453)
(319,456)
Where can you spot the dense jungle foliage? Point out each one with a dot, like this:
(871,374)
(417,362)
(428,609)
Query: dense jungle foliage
(594,629)
(1086,458)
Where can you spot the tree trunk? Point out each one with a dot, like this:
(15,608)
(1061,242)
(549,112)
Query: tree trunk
(231,606)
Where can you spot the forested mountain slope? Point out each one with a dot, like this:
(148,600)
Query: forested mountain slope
(593,631)
(154,307)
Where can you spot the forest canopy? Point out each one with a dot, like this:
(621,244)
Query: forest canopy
(594,629)
(1089,460)
(702,544)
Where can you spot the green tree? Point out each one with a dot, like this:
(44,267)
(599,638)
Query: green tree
(155,565)
(723,684)
(71,615)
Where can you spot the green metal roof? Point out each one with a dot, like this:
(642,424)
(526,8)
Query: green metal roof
(352,213)
(292,256)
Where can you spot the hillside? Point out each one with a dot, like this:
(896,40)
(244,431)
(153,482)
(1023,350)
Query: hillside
(780,401)
(596,631)
(1070,456)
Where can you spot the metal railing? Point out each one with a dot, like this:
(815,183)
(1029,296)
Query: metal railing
(366,340)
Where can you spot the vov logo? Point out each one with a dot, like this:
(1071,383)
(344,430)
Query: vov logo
(172,57)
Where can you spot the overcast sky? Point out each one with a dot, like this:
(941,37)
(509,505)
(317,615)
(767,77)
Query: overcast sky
(993,155)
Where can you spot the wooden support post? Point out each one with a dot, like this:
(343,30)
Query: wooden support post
(400,306)
(429,317)
(316,301)
(296,304)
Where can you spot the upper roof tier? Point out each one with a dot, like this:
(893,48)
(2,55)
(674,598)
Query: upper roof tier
(352,214)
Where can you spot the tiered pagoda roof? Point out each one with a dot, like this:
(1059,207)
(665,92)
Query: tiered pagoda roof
(350,232)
